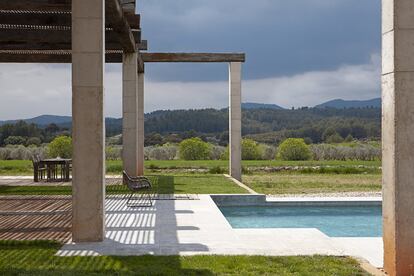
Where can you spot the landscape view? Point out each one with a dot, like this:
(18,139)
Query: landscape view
(332,147)
(208,137)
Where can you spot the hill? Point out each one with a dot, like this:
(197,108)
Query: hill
(261,124)
(339,103)
(42,120)
(260,106)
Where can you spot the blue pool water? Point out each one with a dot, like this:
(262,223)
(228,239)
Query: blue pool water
(334,221)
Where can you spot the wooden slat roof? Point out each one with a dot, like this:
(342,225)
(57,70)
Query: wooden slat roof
(40,30)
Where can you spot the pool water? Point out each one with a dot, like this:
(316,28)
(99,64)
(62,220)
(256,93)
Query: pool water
(334,221)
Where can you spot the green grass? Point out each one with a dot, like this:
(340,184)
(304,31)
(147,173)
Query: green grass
(38,258)
(16,167)
(24,167)
(299,183)
(163,184)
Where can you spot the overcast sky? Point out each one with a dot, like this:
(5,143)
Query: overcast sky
(299,53)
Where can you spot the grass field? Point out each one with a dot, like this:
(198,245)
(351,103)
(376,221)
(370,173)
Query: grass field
(38,258)
(294,183)
(24,167)
(163,184)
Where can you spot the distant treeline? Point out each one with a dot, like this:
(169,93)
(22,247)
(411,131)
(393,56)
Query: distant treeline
(22,133)
(270,126)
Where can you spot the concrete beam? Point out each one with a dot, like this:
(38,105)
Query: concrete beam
(398,135)
(133,116)
(235,119)
(88,50)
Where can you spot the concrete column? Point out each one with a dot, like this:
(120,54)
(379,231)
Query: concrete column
(398,135)
(235,119)
(133,116)
(88,60)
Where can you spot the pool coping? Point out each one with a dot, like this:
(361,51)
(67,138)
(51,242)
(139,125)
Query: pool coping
(365,248)
(263,200)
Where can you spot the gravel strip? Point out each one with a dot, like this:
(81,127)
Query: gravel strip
(344,194)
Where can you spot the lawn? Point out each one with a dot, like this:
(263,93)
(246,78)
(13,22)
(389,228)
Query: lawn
(38,258)
(24,167)
(163,184)
(299,183)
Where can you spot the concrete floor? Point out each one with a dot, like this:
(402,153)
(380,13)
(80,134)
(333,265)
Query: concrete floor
(189,227)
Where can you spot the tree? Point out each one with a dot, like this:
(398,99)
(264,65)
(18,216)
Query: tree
(334,139)
(15,140)
(250,150)
(194,149)
(34,141)
(294,149)
(349,138)
(60,147)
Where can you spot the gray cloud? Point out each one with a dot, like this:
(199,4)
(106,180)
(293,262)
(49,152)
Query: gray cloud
(30,90)
(279,37)
(299,52)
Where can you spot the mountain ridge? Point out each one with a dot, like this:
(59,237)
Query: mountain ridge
(340,103)
(44,120)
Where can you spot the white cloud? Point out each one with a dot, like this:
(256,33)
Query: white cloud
(31,90)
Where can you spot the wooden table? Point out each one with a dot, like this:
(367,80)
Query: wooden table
(52,169)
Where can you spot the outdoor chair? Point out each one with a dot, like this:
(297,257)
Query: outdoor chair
(140,185)
(39,170)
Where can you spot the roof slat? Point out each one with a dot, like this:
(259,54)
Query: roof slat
(49,39)
(55,19)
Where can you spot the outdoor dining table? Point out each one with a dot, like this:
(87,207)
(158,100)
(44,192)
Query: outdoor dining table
(52,165)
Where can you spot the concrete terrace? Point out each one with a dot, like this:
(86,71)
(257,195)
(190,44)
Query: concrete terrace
(185,227)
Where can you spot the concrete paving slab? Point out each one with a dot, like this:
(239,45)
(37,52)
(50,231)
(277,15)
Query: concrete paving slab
(189,227)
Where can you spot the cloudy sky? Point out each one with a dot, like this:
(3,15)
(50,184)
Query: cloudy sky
(299,53)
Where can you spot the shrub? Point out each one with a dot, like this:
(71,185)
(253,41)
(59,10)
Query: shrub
(365,152)
(334,139)
(165,152)
(217,152)
(21,152)
(267,152)
(216,170)
(294,149)
(225,155)
(60,147)
(349,138)
(194,149)
(113,153)
(250,150)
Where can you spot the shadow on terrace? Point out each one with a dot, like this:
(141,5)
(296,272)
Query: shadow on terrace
(129,231)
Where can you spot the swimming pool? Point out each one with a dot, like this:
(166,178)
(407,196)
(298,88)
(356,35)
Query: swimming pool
(334,221)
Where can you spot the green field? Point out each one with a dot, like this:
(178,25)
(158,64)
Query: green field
(294,183)
(176,177)
(163,184)
(24,167)
(38,258)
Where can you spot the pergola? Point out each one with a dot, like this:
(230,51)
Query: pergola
(88,33)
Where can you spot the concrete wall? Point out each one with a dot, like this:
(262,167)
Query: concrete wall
(133,116)
(88,38)
(235,119)
(398,135)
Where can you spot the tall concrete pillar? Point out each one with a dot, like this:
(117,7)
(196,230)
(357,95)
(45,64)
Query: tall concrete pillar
(88,60)
(235,119)
(398,135)
(133,116)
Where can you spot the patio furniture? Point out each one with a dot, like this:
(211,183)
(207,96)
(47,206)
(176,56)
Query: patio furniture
(39,171)
(136,185)
(57,169)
